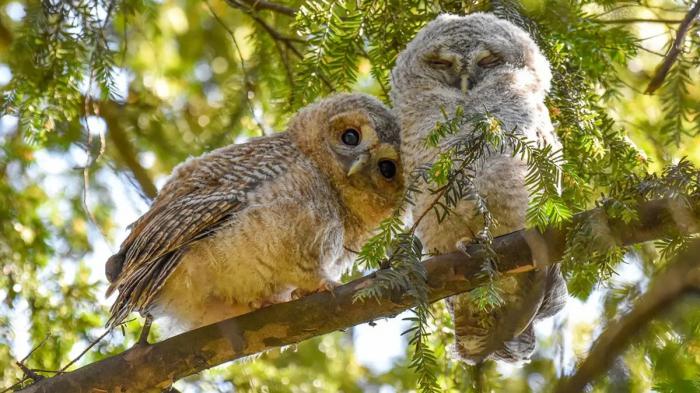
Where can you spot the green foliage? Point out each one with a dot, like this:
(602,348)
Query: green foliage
(423,359)
(173,78)
(452,170)
(681,114)
(334,46)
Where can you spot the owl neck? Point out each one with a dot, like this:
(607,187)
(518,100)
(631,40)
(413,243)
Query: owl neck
(363,211)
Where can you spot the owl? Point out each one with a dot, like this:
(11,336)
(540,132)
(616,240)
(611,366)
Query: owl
(261,222)
(481,64)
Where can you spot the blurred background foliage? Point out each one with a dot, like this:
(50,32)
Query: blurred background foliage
(102,98)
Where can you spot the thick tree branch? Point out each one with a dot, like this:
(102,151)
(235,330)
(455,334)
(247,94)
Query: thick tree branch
(681,278)
(153,367)
(675,50)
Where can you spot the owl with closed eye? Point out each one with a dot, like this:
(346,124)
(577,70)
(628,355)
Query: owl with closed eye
(481,64)
(256,223)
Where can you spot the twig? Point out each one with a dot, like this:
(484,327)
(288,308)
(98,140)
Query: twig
(284,57)
(675,50)
(681,278)
(385,90)
(681,60)
(246,77)
(28,372)
(90,160)
(350,250)
(35,348)
(440,193)
(271,30)
(120,140)
(646,6)
(41,370)
(92,344)
(637,20)
(276,35)
(257,5)
(22,367)
(13,387)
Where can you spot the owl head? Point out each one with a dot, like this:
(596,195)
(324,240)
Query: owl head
(355,140)
(466,52)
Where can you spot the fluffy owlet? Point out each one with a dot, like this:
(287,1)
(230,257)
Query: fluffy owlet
(481,64)
(248,224)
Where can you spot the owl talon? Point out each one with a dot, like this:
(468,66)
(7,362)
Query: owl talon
(463,245)
(261,303)
(472,248)
(328,285)
(325,285)
(298,294)
(255,304)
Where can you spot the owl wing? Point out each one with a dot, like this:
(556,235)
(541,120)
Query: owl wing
(522,346)
(202,195)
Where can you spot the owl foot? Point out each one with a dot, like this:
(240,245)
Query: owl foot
(325,285)
(300,293)
(463,245)
(328,285)
(260,303)
(472,248)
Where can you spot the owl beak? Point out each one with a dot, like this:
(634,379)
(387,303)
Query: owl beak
(359,163)
(464,83)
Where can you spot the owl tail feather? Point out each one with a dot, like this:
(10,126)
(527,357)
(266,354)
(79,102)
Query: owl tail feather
(507,334)
(518,349)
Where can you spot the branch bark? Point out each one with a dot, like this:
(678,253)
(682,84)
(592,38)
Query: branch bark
(680,279)
(675,50)
(153,367)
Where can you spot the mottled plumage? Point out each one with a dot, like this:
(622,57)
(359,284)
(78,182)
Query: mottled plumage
(480,63)
(247,224)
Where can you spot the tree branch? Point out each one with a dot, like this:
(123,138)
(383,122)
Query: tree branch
(623,21)
(257,5)
(681,278)
(152,367)
(116,134)
(675,50)
(287,41)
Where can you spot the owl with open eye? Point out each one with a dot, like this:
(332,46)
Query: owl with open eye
(256,223)
(481,64)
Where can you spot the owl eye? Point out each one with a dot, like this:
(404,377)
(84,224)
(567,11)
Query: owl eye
(440,64)
(489,61)
(387,168)
(350,137)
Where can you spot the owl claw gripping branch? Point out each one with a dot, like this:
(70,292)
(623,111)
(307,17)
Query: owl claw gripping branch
(253,224)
